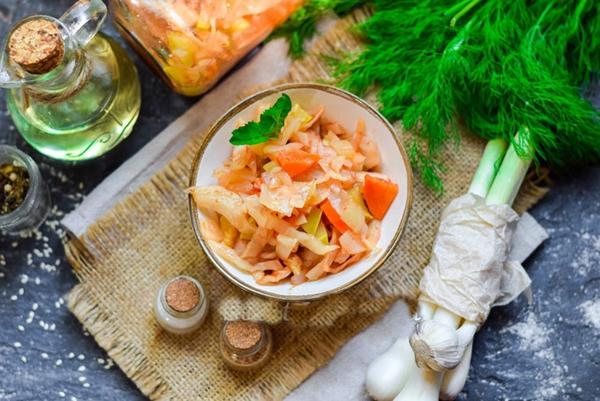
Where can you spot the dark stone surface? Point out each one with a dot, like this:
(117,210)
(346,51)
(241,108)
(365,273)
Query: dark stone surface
(548,351)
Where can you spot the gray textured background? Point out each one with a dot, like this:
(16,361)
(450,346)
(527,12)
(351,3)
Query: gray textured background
(548,351)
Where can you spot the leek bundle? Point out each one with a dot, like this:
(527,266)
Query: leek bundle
(468,275)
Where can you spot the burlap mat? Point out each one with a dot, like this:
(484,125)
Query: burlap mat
(125,256)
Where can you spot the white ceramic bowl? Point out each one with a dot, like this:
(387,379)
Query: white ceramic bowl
(346,109)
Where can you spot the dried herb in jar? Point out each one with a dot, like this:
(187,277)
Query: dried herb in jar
(14,184)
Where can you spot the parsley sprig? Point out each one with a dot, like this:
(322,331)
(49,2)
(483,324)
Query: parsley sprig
(270,123)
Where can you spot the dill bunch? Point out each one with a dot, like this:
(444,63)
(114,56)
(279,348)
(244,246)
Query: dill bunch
(500,66)
(302,24)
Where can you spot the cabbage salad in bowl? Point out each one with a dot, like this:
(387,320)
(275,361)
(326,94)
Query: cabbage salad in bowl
(298,199)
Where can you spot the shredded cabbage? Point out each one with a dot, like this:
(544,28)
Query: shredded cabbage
(224,202)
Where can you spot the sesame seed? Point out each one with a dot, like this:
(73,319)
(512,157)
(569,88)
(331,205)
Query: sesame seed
(71,355)
(109,363)
(61,394)
(34,306)
(58,362)
(81,357)
(82,378)
(17,344)
(20,328)
(13,297)
(86,385)
(24,359)
(44,355)
(81,368)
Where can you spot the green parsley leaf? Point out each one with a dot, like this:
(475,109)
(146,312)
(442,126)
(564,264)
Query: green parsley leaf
(268,127)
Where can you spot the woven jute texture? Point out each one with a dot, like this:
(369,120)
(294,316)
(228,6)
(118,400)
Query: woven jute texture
(124,257)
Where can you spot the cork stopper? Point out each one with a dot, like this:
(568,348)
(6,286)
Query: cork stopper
(182,295)
(37,46)
(242,334)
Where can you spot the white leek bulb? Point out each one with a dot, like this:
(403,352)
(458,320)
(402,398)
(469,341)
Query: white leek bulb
(436,345)
(425,310)
(455,379)
(423,385)
(388,374)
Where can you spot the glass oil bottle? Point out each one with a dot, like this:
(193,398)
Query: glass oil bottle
(73,92)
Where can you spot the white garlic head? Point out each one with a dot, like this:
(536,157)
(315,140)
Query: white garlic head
(436,345)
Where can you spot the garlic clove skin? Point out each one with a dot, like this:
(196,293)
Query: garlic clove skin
(388,374)
(436,345)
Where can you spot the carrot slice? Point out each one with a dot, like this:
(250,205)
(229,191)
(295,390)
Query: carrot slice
(379,195)
(334,218)
(296,161)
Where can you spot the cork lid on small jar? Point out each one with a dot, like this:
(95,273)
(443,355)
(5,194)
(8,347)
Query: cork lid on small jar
(182,295)
(37,46)
(242,334)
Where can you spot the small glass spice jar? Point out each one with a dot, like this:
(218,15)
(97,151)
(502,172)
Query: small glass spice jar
(181,305)
(245,345)
(25,199)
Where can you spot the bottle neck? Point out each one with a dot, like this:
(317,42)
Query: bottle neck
(65,81)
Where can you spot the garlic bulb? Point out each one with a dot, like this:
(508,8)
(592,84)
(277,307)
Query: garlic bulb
(436,345)
(388,374)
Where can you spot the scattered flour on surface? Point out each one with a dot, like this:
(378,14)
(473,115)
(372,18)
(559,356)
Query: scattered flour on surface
(589,256)
(533,334)
(534,337)
(591,313)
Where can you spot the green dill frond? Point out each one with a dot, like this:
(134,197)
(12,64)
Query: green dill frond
(501,66)
(302,24)
(430,170)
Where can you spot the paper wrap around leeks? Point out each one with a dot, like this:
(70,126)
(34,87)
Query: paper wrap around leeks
(469,273)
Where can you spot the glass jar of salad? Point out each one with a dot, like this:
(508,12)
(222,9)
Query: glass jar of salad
(192,43)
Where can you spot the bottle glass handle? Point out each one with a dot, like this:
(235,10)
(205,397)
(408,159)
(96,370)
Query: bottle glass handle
(84,19)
